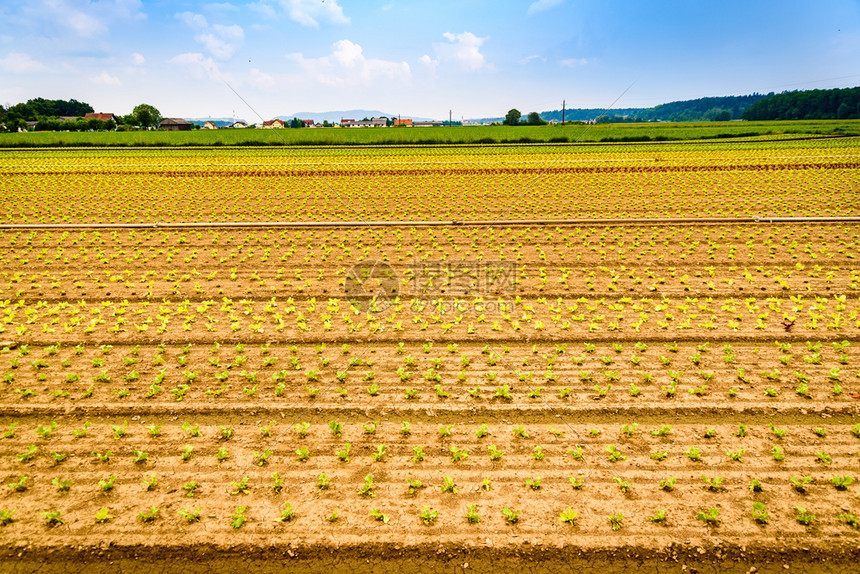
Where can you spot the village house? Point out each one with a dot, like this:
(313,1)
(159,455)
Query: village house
(404,122)
(175,125)
(101,116)
(373,123)
(273,124)
(210,125)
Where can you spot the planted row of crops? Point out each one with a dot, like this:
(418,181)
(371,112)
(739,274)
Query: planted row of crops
(459,374)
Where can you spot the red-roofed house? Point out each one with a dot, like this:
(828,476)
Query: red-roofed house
(100,116)
(271,124)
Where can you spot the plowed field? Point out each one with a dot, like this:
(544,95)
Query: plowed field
(431,397)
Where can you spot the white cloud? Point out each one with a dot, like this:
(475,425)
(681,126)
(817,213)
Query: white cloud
(529,59)
(105,79)
(224,42)
(138,59)
(464,49)
(222,6)
(88,18)
(542,6)
(310,13)
(220,41)
(193,21)
(574,62)
(198,64)
(428,61)
(20,63)
(347,65)
(260,79)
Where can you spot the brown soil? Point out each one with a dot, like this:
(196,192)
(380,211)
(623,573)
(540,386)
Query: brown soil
(573,352)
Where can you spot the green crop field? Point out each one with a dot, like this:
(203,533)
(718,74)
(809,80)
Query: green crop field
(438,135)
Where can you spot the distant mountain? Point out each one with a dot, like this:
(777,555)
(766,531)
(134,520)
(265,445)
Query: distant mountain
(337,115)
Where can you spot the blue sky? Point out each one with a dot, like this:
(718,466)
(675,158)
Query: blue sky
(478,58)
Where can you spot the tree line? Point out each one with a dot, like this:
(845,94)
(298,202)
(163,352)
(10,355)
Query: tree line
(47,113)
(835,104)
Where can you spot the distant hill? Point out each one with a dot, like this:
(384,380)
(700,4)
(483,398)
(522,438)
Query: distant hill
(701,109)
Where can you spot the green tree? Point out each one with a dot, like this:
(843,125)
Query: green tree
(512,118)
(534,119)
(146,115)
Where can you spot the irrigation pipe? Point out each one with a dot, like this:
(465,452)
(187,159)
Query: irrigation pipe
(435,223)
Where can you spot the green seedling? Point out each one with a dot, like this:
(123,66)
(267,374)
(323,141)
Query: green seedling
(511,516)
(149,515)
(240,487)
(238,517)
(102,457)
(472,516)
(711,516)
(46,431)
(413,485)
(841,482)
(760,513)
(623,485)
(343,454)
(568,516)
(800,483)
(187,452)
(367,488)
(62,485)
(107,485)
(614,454)
(850,519)
(616,521)
(714,484)
(428,516)
(376,514)
(52,518)
(448,485)
(150,482)
(287,513)
(804,516)
(736,455)
(458,454)
(190,515)
(193,431)
(29,455)
(190,488)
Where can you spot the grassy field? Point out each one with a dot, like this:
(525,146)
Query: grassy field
(440,135)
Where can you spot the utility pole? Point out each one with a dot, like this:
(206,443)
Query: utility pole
(449,118)
(562,112)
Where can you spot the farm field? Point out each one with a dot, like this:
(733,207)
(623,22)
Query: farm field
(446,135)
(469,391)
